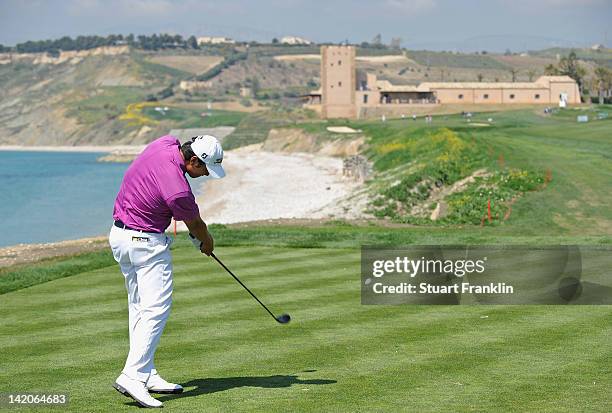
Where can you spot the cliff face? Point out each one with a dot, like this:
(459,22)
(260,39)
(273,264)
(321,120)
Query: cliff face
(84,97)
(77,98)
(72,56)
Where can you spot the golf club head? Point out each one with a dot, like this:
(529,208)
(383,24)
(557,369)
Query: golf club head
(283,318)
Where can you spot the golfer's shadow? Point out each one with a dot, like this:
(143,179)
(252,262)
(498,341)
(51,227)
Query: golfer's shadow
(217,384)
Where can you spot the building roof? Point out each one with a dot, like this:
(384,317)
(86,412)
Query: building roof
(547,79)
(482,85)
(541,83)
(386,86)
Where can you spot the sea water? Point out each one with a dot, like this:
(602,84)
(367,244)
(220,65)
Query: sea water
(54,196)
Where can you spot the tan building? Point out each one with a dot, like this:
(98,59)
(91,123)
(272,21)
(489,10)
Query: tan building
(347,93)
(338,82)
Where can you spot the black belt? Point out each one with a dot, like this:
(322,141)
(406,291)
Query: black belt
(121,225)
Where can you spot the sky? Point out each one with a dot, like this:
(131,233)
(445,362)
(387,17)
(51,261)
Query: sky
(458,25)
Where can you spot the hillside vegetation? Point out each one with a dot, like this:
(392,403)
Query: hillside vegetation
(519,169)
(542,174)
(85,100)
(98,99)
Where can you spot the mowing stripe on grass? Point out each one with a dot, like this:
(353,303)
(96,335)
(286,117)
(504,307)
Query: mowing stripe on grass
(231,356)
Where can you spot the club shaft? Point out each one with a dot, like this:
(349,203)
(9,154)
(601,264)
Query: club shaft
(244,286)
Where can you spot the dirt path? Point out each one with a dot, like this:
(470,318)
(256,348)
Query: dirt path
(29,253)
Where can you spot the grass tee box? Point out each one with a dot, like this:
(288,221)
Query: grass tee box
(70,335)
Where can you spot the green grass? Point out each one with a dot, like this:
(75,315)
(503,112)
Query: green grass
(591,111)
(70,335)
(342,234)
(442,157)
(577,199)
(67,331)
(334,234)
(192,118)
(107,105)
(23,276)
(253,128)
(447,59)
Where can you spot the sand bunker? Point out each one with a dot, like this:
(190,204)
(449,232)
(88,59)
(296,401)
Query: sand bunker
(342,129)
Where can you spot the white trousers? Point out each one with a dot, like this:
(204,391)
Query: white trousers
(146,264)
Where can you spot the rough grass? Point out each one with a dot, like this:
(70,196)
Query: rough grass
(70,335)
(190,64)
(254,128)
(440,157)
(575,157)
(105,105)
(22,276)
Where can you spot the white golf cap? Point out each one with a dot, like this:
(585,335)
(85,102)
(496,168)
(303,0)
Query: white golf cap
(209,150)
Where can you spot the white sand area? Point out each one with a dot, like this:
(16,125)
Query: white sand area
(265,185)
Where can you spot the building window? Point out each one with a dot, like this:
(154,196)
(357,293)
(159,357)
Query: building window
(460,96)
(339,84)
(365,98)
(512,96)
(339,62)
(485,96)
(537,96)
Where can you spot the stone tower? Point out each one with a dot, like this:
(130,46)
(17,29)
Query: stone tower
(338,82)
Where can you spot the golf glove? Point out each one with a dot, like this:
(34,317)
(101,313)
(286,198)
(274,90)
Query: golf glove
(196,242)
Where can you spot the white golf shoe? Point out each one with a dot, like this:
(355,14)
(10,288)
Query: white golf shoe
(156,384)
(136,390)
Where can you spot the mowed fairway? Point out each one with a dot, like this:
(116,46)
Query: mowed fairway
(70,335)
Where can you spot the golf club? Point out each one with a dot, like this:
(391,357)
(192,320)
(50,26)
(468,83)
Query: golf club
(282,319)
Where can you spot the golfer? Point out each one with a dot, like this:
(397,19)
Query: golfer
(155,189)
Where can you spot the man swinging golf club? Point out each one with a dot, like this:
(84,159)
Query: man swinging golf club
(155,189)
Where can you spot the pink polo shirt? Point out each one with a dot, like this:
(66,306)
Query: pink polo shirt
(155,189)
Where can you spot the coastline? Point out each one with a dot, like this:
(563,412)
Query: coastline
(30,253)
(262,185)
(259,186)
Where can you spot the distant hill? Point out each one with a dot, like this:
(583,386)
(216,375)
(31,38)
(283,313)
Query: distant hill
(602,57)
(91,97)
(117,95)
